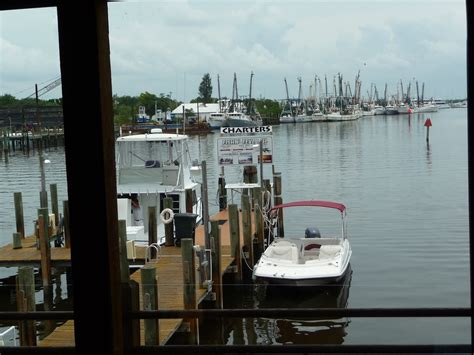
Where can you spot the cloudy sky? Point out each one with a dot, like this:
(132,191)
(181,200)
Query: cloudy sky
(167,46)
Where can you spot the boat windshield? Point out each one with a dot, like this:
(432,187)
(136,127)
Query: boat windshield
(144,153)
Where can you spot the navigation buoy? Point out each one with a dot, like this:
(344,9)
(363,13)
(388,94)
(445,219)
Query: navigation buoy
(428,124)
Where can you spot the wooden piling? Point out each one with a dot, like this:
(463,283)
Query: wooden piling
(25,297)
(222,191)
(131,327)
(43,199)
(46,276)
(247,228)
(189,285)
(169,242)
(150,303)
(43,212)
(205,204)
(250,177)
(235,250)
(152,230)
(258,211)
(17,241)
(122,237)
(277,201)
(67,233)
(19,217)
(53,188)
(267,193)
(189,200)
(216,263)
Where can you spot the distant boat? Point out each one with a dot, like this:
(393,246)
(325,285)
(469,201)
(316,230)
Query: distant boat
(287,115)
(240,114)
(427,107)
(440,103)
(461,104)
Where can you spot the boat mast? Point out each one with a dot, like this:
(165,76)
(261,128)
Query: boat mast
(417,95)
(423,92)
(250,95)
(219,93)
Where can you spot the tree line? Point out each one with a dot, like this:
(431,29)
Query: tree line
(125,107)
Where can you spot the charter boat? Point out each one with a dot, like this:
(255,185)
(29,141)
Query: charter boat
(151,167)
(309,260)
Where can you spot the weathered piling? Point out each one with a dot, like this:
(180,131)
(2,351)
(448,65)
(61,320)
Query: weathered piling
(247,229)
(277,201)
(168,203)
(258,217)
(150,303)
(267,197)
(53,188)
(19,217)
(216,263)
(43,212)
(189,285)
(189,200)
(67,233)
(250,177)
(234,227)
(122,236)
(222,191)
(152,230)
(131,303)
(205,204)
(25,298)
(46,275)
(17,240)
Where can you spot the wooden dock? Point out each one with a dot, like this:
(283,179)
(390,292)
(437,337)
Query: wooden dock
(169,271)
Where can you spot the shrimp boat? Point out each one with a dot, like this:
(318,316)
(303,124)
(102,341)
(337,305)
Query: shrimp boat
(151,167)
(307,261)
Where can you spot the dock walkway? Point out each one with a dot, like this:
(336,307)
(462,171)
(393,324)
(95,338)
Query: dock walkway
(169,271)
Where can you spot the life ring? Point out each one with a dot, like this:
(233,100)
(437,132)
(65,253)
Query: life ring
(167,212)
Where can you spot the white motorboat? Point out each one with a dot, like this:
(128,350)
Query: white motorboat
(151,167)
(240,119)
(311,260)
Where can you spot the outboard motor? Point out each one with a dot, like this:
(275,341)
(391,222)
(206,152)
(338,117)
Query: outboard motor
(312,232)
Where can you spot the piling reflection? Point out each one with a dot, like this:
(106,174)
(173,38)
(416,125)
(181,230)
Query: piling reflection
(308,330)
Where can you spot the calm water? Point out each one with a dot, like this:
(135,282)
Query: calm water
(407,218)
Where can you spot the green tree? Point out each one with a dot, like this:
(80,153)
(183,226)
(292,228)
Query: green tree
(205,89)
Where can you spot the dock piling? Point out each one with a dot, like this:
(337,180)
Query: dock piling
(152,230)
(67,233)
(234,227)
(46,277)
(189,285)
(20,221)
(17,241)
(25,297)
(216,263)
(247,228)
(277,201)
(222,191)
(53,188)
(150,303)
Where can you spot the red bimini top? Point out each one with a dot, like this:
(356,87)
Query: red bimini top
(313,203)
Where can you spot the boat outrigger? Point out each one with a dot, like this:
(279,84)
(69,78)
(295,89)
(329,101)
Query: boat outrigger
(310,260)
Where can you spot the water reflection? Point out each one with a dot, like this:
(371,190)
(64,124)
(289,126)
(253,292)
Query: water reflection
(259,331)
(305,330)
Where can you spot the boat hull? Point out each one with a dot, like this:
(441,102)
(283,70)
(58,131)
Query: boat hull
(320,281)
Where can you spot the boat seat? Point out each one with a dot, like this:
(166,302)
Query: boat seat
(152,164)
(285,252)
(329,251)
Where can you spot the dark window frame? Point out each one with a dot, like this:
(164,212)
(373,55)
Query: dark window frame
(98,315)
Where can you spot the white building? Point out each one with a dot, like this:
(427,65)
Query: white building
(201,109)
